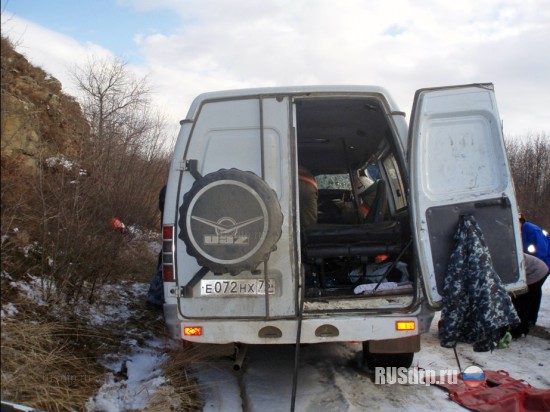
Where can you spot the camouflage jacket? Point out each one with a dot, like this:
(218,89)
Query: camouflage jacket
(475,306)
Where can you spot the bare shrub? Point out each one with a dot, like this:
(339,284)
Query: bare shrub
(111,164)
(16,209)
(128,159)
(530,164)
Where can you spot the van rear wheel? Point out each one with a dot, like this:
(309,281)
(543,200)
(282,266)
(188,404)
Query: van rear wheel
(386,360)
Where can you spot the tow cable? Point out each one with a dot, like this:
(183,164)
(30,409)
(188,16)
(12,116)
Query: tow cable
(298,337)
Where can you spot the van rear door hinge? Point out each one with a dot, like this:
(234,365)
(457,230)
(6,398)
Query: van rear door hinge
(192,166)
(187,290)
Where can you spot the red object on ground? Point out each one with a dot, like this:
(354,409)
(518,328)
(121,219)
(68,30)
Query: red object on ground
(499,393)
(116,224)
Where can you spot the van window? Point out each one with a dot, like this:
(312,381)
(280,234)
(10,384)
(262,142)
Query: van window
(340,181)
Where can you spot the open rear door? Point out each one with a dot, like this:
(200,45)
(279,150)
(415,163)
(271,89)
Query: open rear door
(458,166)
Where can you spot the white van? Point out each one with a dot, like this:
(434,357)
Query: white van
(239,267)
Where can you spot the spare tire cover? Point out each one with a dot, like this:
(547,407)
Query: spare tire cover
(230,221)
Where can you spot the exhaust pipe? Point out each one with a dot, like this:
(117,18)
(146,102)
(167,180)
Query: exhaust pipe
(240,353)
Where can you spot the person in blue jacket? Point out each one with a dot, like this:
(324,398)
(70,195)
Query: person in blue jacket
(535,241)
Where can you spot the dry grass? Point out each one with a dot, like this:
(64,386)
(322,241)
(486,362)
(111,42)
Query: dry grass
(52,365)
(43,368)
(50,354)
(181,391)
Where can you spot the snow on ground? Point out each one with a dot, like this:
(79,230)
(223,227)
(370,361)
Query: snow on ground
(544,312)
(329,376)
(33,288)
(135,372)
(131,382)
(9,310)
(220,387)
(330,380)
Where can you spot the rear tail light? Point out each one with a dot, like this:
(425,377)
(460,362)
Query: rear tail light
(405,325)
(192,330)
(168,254)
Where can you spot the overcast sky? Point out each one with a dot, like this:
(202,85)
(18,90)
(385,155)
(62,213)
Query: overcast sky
(189,47)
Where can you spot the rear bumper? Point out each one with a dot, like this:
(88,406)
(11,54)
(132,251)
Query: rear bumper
(314,330)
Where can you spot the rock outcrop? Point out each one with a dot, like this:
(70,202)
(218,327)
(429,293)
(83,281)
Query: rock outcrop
(38,120)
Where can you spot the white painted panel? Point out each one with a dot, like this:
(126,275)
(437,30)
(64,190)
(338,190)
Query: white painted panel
(460,157)
(457,156)
(228,134)
(234,148)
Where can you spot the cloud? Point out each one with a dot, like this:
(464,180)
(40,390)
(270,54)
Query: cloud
(399,45)
(54,52)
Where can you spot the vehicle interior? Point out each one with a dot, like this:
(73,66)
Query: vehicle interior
(360,243)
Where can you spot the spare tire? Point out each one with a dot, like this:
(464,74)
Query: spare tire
(230,221)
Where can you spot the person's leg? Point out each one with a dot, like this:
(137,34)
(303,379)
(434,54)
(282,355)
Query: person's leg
(521,304)
(536,296)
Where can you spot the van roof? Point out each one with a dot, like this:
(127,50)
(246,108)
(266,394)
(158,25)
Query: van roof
(290,90)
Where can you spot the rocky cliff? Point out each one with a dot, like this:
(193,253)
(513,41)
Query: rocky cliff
(38,120)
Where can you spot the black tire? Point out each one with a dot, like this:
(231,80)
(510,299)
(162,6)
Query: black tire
(230,221)
(386,360)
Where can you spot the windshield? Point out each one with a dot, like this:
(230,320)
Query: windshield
(338,181)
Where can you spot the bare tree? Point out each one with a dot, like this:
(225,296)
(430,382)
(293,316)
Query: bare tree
(127,138)
(530,163)
(110,94)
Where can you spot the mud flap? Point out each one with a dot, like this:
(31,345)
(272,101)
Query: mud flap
(402,345)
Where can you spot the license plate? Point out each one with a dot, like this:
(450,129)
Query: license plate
(236,287)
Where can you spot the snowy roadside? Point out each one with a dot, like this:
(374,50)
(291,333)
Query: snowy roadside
(132,381)
(136,332)
(135,372)
(329,378)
